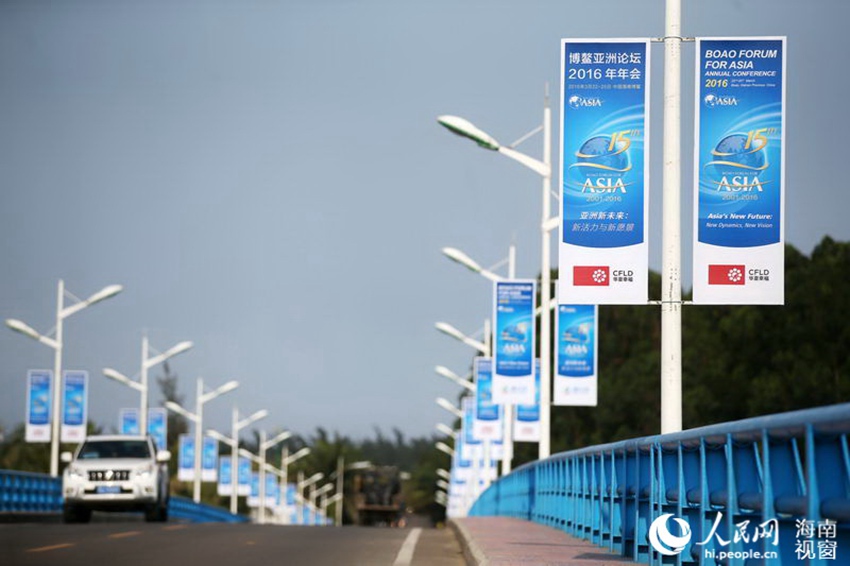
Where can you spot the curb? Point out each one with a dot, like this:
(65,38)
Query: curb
(472,553)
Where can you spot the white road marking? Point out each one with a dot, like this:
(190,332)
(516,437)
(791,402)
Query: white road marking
(405,555)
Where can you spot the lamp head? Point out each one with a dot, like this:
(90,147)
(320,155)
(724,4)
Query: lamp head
(465,129)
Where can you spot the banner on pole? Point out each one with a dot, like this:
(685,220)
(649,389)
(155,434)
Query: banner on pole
(487,422)
(603,252)
(243,476)
(186,458)
(158,427)
(471,447)
(209,459)
(128,421)
(527,417)
(739,164)
(74,406)
(39,397)
(225,485)
(513,341)
(575,381)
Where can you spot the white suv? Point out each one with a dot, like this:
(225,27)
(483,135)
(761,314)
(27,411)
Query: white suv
(115,473)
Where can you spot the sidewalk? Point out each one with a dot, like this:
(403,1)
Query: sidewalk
(502,541)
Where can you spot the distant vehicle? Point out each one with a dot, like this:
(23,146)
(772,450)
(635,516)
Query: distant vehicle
(377,496)
(115,473)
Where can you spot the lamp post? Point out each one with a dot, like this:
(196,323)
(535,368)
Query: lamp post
(198,419)
(142,385)
(285,460)
(62,312)
(303,484)
(341,468)
(508,413)
(543,168)
(264,446)
(444,474)
(314,493)
(233,442)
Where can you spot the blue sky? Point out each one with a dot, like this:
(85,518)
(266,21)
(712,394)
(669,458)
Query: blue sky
(268,180)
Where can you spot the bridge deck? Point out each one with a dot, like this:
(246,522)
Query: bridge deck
(503,541)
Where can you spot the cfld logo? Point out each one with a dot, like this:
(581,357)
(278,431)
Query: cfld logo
(664,541)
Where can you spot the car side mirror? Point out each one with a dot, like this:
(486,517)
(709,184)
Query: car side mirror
(66,457)
(163,456)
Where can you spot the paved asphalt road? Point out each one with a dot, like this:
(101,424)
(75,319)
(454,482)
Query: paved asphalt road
(149,544)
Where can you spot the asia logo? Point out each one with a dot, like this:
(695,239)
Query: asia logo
(726,274)
(591,275)
(664,541)
(602,161)
(738,159)
(713,100)
(576,102)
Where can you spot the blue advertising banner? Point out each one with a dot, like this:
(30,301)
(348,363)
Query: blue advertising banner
(739,180)
(487,421)
(513,341)
(254,495)
(243,476)
(209,459)
(128,421)
(576,353)
(603,251)
(471,446)
(74,406)
(225,483)
(186,458)
(158,427)
(39,396)
(527,417)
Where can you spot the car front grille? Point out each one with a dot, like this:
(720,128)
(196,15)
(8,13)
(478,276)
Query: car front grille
(109,475)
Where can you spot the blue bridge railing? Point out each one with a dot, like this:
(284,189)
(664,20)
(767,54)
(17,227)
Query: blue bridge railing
(27,493)
(769,490)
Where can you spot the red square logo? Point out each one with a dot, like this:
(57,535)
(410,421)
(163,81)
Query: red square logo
(591,275)
(726,274)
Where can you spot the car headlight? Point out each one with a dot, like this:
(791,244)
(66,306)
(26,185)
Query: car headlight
(75,472)
(144,472)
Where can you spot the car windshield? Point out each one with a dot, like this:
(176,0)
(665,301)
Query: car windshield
(114,449)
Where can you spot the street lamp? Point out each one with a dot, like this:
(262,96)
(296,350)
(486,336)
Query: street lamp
(466,129)
(233,442)
(341,467)
(264,446)
(62,312)
(508,408)
(447,430)
(443,447)
(450,375)
(449,406)
(450,330)
(142,385)
(303,484)
(198,418)
(444,474)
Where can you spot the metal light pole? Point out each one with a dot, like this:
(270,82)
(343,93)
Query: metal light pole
(508,408)
(233,442)
(62,312)
(264,446)
(340,487)
(466,129)
(142,385)
(671,286)
(198,419)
